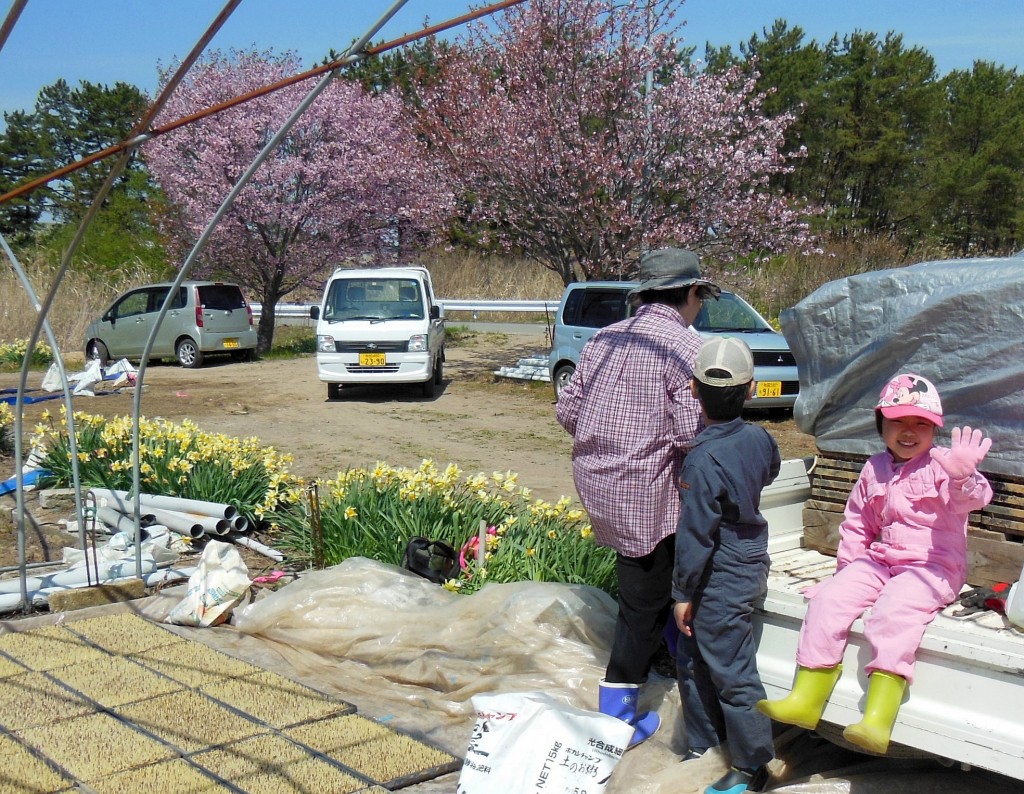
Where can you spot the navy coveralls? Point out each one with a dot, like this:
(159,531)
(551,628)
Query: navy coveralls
(722,568)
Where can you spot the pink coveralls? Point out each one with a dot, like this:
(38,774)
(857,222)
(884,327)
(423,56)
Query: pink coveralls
(903,552)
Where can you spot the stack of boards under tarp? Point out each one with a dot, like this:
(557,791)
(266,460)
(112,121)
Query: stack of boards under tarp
(995,535)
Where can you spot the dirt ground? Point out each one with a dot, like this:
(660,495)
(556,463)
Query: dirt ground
(478,421)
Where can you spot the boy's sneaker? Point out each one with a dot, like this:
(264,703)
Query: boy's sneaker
(694,754)
(736,781)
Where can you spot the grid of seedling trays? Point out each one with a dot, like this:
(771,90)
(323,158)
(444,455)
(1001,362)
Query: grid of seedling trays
(121,704)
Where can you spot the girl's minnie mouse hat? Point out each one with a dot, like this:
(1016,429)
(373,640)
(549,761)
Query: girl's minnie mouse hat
(910,395)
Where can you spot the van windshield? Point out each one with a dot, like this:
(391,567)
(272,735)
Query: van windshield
(374,299)
(729,313)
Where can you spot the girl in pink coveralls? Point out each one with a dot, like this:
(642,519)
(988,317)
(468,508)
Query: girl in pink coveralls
(902,552)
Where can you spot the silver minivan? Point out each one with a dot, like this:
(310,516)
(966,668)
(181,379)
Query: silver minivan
(204,317)
(587,306)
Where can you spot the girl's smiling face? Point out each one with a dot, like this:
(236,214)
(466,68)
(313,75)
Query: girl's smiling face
(908,436)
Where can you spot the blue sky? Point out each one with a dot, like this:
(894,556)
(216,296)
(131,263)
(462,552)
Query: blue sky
(104,41)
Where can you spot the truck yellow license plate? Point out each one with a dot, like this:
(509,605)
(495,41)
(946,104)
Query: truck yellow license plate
(372,360)
(230,344)
(769,388)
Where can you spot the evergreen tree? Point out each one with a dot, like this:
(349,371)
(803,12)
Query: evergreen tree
(20,161)
(66,125)
(790,74)
(408,69)
(975,162)
(880,100)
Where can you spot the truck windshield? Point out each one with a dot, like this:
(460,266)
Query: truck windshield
(374,299)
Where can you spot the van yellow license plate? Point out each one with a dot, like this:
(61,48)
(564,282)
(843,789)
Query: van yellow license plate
(230,344)
(372,360)
(769,388)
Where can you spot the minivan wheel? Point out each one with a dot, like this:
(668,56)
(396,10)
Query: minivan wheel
(98,350)
(188,353)
(333,391)
(562,377)
(439,371)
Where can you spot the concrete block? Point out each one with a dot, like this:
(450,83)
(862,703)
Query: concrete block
(57,499)
(80,597)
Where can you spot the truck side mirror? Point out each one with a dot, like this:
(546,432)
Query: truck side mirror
(314,312)
(435,312)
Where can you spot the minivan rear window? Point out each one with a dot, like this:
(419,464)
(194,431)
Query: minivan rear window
(595,308)
(223,297)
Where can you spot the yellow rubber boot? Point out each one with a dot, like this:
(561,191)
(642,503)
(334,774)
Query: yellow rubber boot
(885,694)
(803,706)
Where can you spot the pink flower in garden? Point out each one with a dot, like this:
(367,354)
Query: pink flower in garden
(470,547)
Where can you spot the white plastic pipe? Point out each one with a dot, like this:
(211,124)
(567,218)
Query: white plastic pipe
(71,577)
(192,524)
(180,505)
(117,500)
(195,517)
(174,503)
(121,522)
(255,545)
(41,596)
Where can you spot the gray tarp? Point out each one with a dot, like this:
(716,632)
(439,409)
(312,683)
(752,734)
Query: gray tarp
(959,323)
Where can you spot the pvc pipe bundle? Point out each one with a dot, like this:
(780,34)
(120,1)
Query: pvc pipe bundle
(115,509)
(192,518)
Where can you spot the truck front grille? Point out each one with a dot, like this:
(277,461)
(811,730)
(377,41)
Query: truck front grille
(400,346)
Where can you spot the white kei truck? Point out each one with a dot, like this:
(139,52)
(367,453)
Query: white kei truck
(960,323)
(380,325)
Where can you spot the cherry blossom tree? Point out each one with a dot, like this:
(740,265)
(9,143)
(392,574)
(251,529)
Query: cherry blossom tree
(349,181)
(581,137)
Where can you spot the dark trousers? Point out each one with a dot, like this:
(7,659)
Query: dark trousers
(717,668)
(645,601)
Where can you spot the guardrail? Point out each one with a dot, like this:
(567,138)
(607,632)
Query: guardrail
(300,311)
(541,306)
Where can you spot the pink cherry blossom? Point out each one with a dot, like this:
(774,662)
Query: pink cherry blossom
(544,118)
(350,181)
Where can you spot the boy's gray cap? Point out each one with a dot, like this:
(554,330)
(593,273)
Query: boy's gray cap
(669,268)
(726,353)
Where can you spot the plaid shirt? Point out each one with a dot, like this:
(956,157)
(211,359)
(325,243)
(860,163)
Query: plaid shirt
(631,415)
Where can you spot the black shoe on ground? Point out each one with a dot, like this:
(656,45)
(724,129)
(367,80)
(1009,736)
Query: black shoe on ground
(693,754)
(736,781)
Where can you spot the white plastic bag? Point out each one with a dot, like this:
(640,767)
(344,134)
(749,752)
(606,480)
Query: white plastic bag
(51,380)
(122,365)
(218,586)
(529,742)
(87,378)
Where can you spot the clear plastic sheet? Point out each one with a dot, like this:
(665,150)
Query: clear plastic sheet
(410,653)
(959,323)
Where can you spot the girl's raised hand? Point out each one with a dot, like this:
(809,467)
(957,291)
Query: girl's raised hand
(967,450)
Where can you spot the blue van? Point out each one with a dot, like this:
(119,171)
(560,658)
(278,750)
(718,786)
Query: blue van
(588,306)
